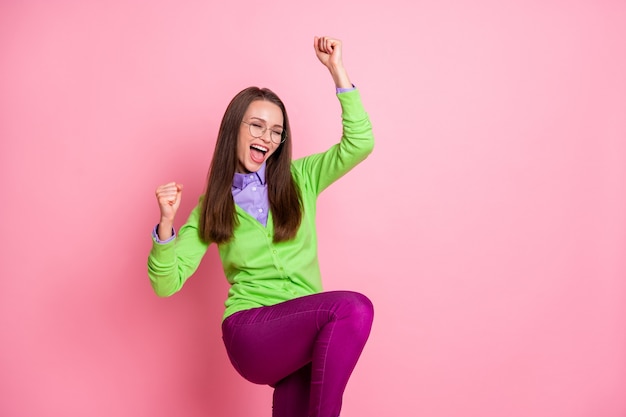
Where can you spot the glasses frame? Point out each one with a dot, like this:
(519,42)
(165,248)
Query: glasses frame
(283,135)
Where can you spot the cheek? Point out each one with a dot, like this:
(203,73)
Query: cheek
(241,144)
(273,150)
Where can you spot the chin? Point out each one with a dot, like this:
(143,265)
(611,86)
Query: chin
(252,167)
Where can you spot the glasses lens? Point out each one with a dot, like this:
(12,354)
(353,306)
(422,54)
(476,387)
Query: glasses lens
(276,136)
(256,129)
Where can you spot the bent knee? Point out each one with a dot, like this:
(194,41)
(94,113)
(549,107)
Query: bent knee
(358,308)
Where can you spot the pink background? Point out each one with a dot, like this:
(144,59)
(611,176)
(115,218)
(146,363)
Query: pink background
(488,227)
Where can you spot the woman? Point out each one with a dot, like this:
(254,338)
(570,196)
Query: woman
(279,327)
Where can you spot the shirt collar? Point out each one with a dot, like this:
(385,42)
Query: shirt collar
(241,180)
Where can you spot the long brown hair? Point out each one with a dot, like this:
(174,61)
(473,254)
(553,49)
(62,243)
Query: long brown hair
(218,217)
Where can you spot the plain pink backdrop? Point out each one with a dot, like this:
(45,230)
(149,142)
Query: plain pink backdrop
(488,227)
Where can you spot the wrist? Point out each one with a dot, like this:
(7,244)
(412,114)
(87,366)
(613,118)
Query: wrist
(165,230)
(340,76)
(167,217)
(165,223)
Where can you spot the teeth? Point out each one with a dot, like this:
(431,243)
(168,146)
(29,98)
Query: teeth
(260,148)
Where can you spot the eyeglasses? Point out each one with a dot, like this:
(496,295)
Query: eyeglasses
(258,129)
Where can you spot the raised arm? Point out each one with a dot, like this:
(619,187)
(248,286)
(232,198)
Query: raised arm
(173,260)
(357,141)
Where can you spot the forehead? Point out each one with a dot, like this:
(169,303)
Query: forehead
(265,110)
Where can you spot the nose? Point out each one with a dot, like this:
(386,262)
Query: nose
(267,135)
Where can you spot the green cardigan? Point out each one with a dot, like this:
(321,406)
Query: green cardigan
(262,272)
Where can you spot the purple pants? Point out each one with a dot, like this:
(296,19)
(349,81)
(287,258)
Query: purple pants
(305,348)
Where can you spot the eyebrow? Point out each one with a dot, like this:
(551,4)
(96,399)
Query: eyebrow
(265,121)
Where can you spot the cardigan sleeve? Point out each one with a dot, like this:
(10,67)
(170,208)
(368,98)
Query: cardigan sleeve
(171,264)
(357,142)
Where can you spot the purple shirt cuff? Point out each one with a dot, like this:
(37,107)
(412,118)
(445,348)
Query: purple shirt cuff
(155,236)
(345,90)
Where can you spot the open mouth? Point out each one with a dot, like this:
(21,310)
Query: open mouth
(257,153)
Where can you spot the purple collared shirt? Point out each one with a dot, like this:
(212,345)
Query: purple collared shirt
(250,193)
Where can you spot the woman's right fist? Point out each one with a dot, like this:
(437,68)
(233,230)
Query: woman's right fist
(169,196)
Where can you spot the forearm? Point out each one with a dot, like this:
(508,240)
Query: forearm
(340,76)
(357,140)
(171,264)
(164,278)
(165,229)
